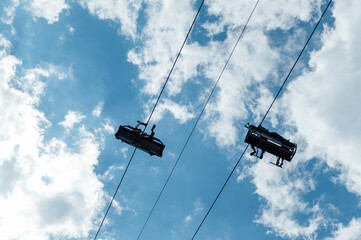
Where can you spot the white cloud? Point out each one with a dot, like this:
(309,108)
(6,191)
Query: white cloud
(8,18)
(166,27)
(188,219)
(48,9)
(124,151)
(242,174)
(119,208)
(107,127)
(261,105)
(244,90)
(269,15)
(283,191)
(321,106)
(5,44)
(70,29)
(30,81)
(71,118)
(47,189)
(124,12)
(350,232)
(250,62)
(255,62)
(98,109)
(180,112)
(322,103)
(104,129)
(197,210)
(249,66)
(109,173)
(171,154)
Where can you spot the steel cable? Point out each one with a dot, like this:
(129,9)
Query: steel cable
(196,123)
(262,120)
(150,116)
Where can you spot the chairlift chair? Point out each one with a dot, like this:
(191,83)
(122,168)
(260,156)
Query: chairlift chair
(271,142)
(141,140)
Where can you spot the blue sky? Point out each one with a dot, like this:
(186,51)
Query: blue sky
(71,72)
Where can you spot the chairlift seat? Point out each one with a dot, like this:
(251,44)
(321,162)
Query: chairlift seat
(270,142)
(139,139)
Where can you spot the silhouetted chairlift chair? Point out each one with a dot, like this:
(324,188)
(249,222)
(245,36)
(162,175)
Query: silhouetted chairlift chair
(141,140)
(262,140)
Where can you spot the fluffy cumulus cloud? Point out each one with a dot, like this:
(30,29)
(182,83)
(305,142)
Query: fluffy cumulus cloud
(245,86)
(50,10)
(278,14)
(166,27)
(9,11)
(350,232)
(47,189)
(321,105)
(199,61)
(315,104)
(319,109)
(71,118)
(124,12)
(283,194)
(180,112)
(323,101)
(250,65)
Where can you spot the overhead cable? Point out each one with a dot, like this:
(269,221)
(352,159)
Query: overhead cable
(150,116)
(196,123)
(115,193)
(175,61)
(200,225)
